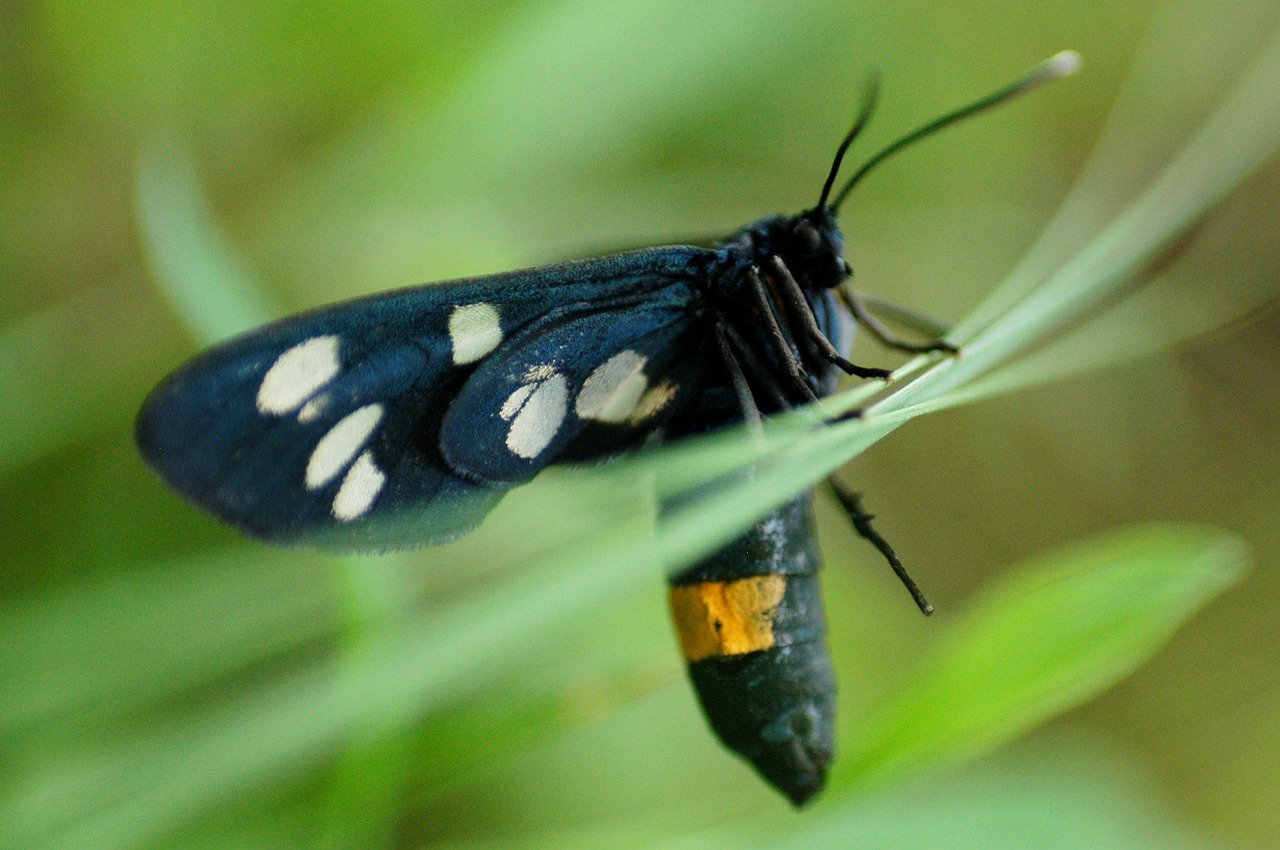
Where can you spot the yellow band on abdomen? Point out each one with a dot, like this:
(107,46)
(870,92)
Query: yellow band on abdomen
(719,618)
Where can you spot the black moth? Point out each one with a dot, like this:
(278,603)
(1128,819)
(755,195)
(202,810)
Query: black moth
(400,419)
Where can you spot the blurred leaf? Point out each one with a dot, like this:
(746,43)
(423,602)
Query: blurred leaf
(1047,637)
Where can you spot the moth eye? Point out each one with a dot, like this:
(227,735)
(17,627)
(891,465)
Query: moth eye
(810,239)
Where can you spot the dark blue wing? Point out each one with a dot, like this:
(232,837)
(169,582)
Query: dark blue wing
(325,428)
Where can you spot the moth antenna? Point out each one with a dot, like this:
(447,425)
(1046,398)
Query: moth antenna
(1058,65)
(864,115)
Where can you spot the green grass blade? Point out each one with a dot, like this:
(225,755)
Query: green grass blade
(1156,110)
(1233,142)
(198,268)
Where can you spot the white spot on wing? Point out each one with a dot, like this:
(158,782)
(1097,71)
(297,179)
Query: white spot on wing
(515,401)
(344,440)
(362,484)
(474,330)
(298,374)
(613,390)
(313,408)
(652,402)
(538,419)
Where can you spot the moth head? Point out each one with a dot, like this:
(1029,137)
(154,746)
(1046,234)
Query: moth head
(816,246)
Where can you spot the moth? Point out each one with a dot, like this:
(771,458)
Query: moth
(401,419)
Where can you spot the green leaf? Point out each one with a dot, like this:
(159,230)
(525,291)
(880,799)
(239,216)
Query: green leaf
(1047,637)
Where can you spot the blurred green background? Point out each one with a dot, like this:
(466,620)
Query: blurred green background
(171,173)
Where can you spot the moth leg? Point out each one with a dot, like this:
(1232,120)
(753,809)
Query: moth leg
(852,504)
(795,369)
(799,305)
(857,305)
(785,309)
(757,369)
(750,412)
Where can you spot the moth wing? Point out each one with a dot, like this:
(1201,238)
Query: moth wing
(324,428)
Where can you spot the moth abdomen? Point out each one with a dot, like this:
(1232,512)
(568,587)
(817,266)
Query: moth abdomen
(752,629)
